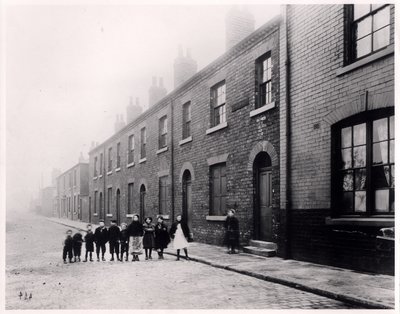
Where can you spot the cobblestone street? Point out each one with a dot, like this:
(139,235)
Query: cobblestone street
(34,265)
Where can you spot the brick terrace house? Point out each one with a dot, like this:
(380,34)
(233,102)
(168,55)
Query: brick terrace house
(73,192)
(293,127)
(211,144)
(341,125)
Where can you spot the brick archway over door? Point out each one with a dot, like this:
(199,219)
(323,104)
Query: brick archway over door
(186,166)
(263,146)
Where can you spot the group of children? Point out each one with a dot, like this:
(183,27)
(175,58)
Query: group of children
(128,239)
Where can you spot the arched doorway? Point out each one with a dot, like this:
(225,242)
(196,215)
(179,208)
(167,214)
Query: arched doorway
(118,207)
(101,205)
(262,172)
(142,202)
(187,198)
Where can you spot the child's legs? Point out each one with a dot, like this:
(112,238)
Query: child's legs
(70,254)
(103,249)
(186,252)
(65,250)
(97,249)
(150,250)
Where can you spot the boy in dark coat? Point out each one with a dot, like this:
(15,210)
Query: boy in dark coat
(232,231)
(124,242)
(89,239)
(114,236)
(77,238)
(68,244)
(161,237)
(101,238)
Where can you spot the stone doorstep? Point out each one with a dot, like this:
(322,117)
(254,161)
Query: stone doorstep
(263,244)
(259,251)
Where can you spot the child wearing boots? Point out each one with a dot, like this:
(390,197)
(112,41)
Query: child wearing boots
(114,235)
(101,238)
(68,244)
(161,237)
(89,240)
(124,242)
(148,238)
(77,244)
(180,232)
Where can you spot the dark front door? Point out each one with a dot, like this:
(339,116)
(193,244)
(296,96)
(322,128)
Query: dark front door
(118,207)
(264,205)
(187,199)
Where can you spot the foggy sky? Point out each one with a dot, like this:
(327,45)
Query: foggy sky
(71,69)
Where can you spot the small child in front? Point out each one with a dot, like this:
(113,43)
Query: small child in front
(68,244)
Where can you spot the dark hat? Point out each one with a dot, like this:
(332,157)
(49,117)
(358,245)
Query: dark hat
(160,217)
(151,219)
(135,215)
(69,230)
(114,221)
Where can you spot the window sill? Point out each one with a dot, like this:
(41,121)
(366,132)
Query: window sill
(372,222)
(186,140)
(142,160)
(94,178)
(130,165)
(100,176)
(95,214)
(262,109)
(110,172)
(129,215)
(360,63)
(118,169)
(162,150)
(217,128)
(108,215)
(215,218)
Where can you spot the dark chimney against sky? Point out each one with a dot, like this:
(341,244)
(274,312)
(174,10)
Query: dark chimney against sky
(184,67)
(239,23)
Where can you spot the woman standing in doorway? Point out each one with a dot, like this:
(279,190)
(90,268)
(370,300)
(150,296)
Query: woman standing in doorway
(180,234)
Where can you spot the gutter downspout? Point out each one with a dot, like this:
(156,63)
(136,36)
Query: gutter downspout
(104,184)
(172,162)
(288,190)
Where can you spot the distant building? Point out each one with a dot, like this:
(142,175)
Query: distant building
(73,192)
(239,23)
(48,195)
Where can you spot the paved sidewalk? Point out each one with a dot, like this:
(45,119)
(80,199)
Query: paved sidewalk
(363,289)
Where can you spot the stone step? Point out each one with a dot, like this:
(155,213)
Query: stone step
(259,251)
(263,244)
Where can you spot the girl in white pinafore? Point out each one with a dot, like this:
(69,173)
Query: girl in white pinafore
(180,232)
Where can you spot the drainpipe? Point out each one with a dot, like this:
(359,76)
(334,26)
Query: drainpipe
(104,183)
(172,161)
(288,190)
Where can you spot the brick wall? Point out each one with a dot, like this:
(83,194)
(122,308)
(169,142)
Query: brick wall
(319,98)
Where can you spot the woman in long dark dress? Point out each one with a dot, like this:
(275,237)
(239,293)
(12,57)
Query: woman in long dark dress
(135,231)
(232,231)
(148,238)
(162,238)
